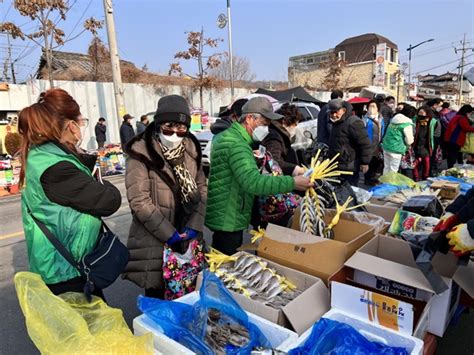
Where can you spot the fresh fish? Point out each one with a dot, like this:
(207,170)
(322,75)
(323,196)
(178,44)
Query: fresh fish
(252,271)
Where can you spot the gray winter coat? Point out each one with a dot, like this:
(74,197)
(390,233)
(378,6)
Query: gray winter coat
(153,195)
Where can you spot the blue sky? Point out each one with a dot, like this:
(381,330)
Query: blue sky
(267,32)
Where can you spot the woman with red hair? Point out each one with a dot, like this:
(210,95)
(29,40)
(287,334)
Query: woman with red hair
(59,189)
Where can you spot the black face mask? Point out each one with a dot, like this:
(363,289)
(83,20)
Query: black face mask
(421,117)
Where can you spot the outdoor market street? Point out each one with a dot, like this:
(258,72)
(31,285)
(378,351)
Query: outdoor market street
(122,294)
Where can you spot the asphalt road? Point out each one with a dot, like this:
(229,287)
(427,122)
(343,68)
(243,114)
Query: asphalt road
(123,294)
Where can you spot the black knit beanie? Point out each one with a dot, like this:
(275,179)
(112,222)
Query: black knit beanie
(173,108)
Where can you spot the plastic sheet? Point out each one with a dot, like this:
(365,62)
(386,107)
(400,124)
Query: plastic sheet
(68,324)
(397,179)
(189,324)
(332,337)
(362,195)
(383,190)
(371,219)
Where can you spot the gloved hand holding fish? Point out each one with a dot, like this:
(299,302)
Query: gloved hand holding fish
(250,275)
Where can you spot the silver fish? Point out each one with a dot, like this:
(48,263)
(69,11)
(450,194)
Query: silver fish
(243,262)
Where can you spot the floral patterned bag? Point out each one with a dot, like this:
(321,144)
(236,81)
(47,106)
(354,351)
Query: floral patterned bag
(408,159)
(180,271)
(272,208)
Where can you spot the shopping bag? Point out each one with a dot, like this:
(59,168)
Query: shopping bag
(194,326)
(273,208)
(468,144)
(69,324)
(180,271)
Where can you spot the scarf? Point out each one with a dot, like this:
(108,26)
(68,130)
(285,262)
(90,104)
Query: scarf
(187,185)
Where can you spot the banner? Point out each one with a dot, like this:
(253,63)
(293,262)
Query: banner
(379,69)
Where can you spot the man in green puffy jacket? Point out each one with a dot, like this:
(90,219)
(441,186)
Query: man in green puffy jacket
(235,180)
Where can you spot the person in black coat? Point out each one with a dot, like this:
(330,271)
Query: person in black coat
(126,130)
(100,130)
(349,139)
(324,123)
(141,126)
(281,135)
(229,116)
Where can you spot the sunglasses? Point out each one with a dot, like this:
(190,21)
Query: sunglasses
(169,132)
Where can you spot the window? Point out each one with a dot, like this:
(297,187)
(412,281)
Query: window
(309,61)
(341,55)
(394,56)
(387,53)
(314,111)
(387,78)
(305,113)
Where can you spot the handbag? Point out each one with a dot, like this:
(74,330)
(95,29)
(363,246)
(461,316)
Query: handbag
(273,208)
(102,266)
(408,159)
(180,271)
(468,146)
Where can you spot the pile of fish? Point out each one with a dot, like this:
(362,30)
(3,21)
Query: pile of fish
(222,332)
(249,275)
(400,197)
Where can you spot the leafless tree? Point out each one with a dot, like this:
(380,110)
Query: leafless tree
(334,68)
(205,63)
(242,69)
(41,12)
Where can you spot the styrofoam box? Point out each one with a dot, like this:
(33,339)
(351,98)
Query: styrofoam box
(370,331)
(279,337)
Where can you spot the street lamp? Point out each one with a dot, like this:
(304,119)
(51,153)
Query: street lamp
(222,21)
(409,49)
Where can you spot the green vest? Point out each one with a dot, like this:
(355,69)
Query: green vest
(77,231)
(394,140)
(235,180)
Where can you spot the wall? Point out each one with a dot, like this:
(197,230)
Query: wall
(97,100)
(353,75)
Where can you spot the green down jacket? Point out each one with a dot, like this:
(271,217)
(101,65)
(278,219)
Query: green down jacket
(235,180)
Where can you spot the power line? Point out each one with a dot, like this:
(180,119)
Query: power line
(441,65)
(6,14)
(78,21)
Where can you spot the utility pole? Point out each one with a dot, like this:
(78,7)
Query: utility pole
(114,60)
(409,49)
(231,56)
(461,67)
(12,66)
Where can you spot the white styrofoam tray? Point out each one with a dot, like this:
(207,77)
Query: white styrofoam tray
(279,337)
(370,331)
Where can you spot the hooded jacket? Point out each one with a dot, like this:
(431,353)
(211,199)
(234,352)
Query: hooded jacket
(100,133)
(221,125)
(457,129)
(349,139)
(153,195)
(399,135)
(278,143)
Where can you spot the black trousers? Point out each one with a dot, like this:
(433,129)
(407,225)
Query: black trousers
(453,154)
(74,285)
(227,242)
(375,170)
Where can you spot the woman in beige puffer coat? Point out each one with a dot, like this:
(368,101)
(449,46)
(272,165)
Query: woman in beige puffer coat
(166,190)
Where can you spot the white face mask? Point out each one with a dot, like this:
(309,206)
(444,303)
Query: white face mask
(291,131)
(172,141)
(260,133)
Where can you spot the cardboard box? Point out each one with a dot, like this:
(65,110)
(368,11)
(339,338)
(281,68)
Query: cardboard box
(369,313)
(294,315)
(279,337)
(313,255)
(448,190)
(387,212)
(387,264)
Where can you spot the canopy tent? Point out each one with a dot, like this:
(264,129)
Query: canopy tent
(358,100)
(294,94)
